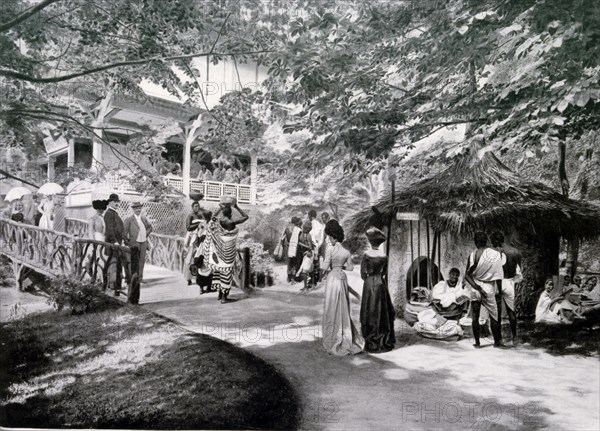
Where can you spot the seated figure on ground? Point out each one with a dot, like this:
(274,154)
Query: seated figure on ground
(592,290)
(555,310)
(449,298)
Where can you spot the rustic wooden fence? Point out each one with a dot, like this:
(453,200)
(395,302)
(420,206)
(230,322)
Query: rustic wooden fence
(168,252)
(50,253)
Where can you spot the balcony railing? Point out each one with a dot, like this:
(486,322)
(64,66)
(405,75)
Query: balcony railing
(213,190)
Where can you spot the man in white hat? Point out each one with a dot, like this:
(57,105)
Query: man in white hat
(137,229)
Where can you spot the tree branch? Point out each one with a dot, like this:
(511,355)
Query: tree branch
(212,48)
(25,15)
(9,175)
(29,78)
(58,57)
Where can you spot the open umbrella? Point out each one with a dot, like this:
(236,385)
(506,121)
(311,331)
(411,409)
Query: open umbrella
(16,193)
(50,189)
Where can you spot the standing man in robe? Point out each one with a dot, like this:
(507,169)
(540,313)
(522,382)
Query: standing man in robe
(484,269)
(512,277)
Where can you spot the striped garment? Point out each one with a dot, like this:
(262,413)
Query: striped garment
(219,251)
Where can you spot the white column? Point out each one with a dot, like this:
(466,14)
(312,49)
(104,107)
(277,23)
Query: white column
(100,112)
(190,137)
(253,177)
(71,153)
(187,165)
(50,168)
(96,151)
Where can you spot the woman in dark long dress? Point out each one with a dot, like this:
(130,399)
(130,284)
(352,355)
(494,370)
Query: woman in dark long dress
(376,311)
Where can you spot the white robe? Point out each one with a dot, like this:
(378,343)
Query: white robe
(486,273)
(447,295)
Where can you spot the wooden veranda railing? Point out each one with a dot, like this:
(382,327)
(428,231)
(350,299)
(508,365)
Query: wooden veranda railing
(168,251)
(50,253)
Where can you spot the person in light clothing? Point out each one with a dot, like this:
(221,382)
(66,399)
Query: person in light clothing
(452,301)
(447,291)
(484,269)
(317,235)
(305,270)
(292,234)
(512,277)
(137,229)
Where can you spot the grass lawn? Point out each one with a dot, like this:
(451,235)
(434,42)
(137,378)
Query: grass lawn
(121,367)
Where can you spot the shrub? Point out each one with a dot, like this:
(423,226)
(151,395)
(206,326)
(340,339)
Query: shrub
(80,296)
(7,278)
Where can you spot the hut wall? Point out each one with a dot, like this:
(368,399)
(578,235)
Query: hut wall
(540,260)
(454,253)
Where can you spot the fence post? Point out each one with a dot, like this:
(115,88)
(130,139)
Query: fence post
(75,261)
(246,267)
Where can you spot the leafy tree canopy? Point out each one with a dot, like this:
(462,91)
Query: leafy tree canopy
(375,76)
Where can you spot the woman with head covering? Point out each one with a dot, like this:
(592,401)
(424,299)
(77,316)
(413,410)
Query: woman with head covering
(220,246)
(376,312)
(340,336)
(96,226)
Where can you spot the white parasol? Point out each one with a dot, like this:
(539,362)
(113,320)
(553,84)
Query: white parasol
(16,193)
(50,189)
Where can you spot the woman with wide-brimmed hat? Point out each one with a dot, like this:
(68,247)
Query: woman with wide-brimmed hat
(376,312)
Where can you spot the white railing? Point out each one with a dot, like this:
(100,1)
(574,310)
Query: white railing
(213,190)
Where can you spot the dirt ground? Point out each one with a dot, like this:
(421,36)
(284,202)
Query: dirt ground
(422,384)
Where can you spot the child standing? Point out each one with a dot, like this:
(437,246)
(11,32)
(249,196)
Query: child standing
(305,270)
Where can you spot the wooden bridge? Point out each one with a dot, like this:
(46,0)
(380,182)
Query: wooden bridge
(71,253)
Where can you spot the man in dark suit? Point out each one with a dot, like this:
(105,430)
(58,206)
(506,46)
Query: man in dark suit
(114,234)
(137,229)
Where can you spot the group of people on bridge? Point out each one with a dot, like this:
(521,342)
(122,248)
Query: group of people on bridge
(107,226)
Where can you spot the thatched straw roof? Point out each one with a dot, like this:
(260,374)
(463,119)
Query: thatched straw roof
(481,193)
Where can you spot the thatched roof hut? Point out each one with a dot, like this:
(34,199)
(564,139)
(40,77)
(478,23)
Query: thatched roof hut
(475,193)
(433,221)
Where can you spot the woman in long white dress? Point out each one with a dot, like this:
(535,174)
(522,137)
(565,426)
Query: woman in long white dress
(340,336)
(46,208)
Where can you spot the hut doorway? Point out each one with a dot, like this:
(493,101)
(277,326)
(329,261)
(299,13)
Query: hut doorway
(423,272)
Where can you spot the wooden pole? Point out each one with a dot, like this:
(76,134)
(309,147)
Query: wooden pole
(389,232)
(429,255)
(419,253)
(412,254)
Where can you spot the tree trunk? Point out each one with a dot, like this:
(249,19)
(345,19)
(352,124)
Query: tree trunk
(572,244)
(540,260)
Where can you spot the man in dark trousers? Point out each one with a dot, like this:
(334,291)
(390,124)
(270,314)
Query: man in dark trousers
(114,234)
(137,229)
(512,276)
